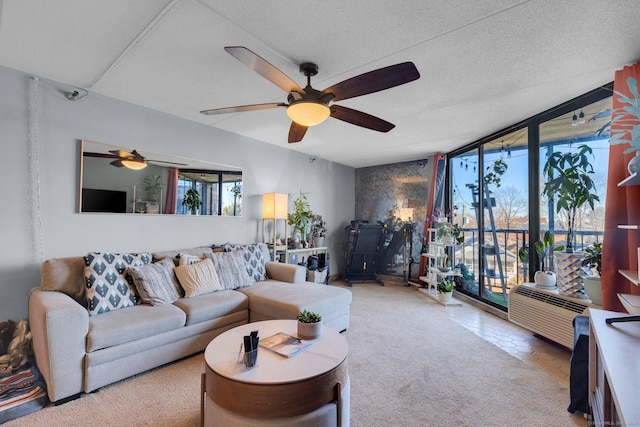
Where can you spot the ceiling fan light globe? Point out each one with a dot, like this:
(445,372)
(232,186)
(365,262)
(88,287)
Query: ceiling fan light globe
(134,164)
(308,113)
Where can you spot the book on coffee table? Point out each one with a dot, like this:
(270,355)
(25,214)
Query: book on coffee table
(285,344)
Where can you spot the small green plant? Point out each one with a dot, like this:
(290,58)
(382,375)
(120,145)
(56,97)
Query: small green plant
(154,186)
(302,217)
(544,248)
(593,259)
(192,200)
(306,316)
(445,286)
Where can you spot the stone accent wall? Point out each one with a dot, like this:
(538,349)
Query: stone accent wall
(401,189)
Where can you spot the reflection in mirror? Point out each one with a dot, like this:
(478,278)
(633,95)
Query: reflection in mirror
(119,179)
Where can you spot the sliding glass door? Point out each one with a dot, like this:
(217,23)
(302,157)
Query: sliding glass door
(495,191)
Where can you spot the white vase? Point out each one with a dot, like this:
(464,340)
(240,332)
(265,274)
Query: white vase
(545,279)
(445,296)
(447,240)
(593,289)
(318,241)
(309,331)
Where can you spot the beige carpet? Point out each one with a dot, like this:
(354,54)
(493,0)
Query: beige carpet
(409,365)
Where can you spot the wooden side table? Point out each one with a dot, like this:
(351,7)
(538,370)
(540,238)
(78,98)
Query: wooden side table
(277,387)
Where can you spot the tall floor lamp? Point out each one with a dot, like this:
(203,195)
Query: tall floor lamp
(274,208)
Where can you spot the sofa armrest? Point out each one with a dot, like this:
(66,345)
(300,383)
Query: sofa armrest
(286,272)
(59,327)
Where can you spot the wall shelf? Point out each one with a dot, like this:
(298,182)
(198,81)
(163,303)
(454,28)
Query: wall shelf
(633,179)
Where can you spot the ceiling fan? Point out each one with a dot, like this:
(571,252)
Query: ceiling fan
(134,160)
(309,107)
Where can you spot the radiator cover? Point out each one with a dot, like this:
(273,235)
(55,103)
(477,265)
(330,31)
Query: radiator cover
(545,313)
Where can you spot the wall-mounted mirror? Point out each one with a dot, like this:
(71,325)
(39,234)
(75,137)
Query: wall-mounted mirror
(118,179)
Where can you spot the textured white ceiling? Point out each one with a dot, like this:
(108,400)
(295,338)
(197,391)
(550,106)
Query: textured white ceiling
(484,64)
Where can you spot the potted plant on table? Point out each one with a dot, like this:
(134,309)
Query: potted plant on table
(192,201)
(302,217)
(318,230)
(309,325)
(445,290)
(592,284)
(544,248)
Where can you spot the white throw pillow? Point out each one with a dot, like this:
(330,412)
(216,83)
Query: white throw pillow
(198,278)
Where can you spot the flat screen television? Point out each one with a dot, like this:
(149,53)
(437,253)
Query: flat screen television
(104,201)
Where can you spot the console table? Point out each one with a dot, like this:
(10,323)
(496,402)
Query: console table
(310,388)
(614,370)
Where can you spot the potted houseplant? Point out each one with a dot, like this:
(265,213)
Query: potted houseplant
(592,284)
(192,201)
(154,186)
(318,230)
(544,248)
(302,217)
(445,290)
(309,325)
(569,183)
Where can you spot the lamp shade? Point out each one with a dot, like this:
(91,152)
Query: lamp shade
(308,113)
(274,206)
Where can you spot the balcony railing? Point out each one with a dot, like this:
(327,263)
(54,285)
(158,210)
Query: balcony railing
(495,264)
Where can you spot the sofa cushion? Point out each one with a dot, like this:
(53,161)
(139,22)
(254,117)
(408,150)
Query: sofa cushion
(230,268)
(253,258)
(279,300)
(156,284)
(212,305)
(198,278)
(65,275)
(107,287)
(131,324)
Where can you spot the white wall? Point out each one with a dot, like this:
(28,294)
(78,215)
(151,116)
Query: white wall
(40,132)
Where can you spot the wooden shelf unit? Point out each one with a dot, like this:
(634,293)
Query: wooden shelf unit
(614,374)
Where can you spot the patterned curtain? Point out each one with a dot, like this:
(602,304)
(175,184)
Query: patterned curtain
(620,246)
(172,191)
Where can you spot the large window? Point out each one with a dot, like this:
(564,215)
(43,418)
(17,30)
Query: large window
(497,199)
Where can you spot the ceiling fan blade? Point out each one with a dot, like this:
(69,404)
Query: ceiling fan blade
(264,68)
(117,163)
(121,153)
(359,118)
(242,108)
(374,81)
(296,132)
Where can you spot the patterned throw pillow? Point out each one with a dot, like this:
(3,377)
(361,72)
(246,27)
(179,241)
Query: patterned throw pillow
(253,258)
(230,269)
(198,278)
(156,284)
(107,286)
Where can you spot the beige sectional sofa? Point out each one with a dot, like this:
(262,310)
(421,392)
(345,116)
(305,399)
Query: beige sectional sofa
(79,351)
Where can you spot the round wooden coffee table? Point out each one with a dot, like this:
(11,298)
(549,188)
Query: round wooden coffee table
(277,387)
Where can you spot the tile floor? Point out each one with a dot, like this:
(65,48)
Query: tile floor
(519,342)
(515,340)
